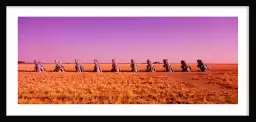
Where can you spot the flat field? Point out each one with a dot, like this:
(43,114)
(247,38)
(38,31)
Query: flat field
(218,86)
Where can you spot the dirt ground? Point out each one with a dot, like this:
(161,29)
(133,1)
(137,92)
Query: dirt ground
(218,86)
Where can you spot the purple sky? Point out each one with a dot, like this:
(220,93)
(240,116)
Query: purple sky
(213,39)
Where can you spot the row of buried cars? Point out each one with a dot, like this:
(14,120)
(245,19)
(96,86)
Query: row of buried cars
(185,67)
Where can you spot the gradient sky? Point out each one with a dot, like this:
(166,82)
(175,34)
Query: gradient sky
(213,39)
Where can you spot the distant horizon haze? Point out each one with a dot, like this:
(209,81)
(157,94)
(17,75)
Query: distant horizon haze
(124,63)
(212,39)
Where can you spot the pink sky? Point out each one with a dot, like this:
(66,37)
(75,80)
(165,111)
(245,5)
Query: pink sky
(213,39)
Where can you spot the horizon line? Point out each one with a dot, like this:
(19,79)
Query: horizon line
(129,63)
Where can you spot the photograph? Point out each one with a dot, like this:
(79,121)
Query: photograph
(128,60)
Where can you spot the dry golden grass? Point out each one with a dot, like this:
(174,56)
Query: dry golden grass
(219,86)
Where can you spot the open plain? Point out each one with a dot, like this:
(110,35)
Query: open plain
(218,86)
